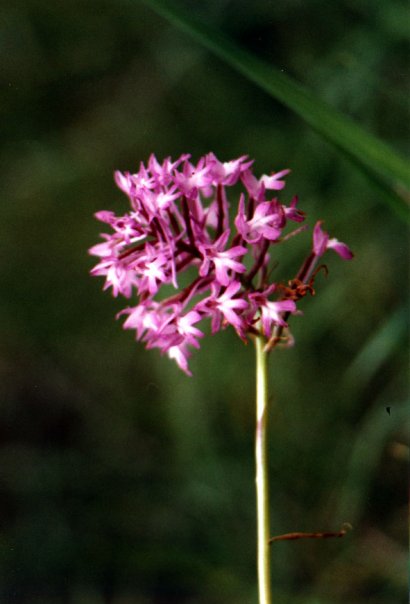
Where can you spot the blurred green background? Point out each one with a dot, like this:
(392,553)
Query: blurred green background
(122,481)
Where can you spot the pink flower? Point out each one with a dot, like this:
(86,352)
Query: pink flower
(179,230)
(158,202)
(185,326)
(145,317)
(224,306)
(193,179)
(118,277)
(322,242)
(267,221)
(152,268)
(257,187)
(163,174)
(229,172)
(180,354)
(223,261)
(270,312)
(292,212)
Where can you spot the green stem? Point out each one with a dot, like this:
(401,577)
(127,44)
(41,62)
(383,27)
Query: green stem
(262,483)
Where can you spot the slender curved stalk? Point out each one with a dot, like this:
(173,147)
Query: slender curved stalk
(262,484)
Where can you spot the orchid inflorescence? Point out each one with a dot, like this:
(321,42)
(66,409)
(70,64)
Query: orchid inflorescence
(179,220)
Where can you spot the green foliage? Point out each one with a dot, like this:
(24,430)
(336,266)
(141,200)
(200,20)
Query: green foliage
(122,480)
(385,168)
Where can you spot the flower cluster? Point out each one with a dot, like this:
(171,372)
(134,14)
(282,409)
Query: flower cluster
(178,230)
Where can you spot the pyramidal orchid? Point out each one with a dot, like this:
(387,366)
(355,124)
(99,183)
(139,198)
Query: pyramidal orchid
(187,223)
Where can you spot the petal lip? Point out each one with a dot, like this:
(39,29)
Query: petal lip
(341,249)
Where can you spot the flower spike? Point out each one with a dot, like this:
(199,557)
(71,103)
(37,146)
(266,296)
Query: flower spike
(179,222)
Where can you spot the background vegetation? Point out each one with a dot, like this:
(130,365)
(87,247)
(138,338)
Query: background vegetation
(122,481)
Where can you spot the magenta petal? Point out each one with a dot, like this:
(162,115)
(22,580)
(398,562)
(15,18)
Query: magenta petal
(340,248)
(320,239)
(285,306)
(105,216)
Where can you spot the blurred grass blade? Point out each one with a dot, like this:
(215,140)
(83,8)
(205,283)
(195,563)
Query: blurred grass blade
(377,350)
(383,166)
